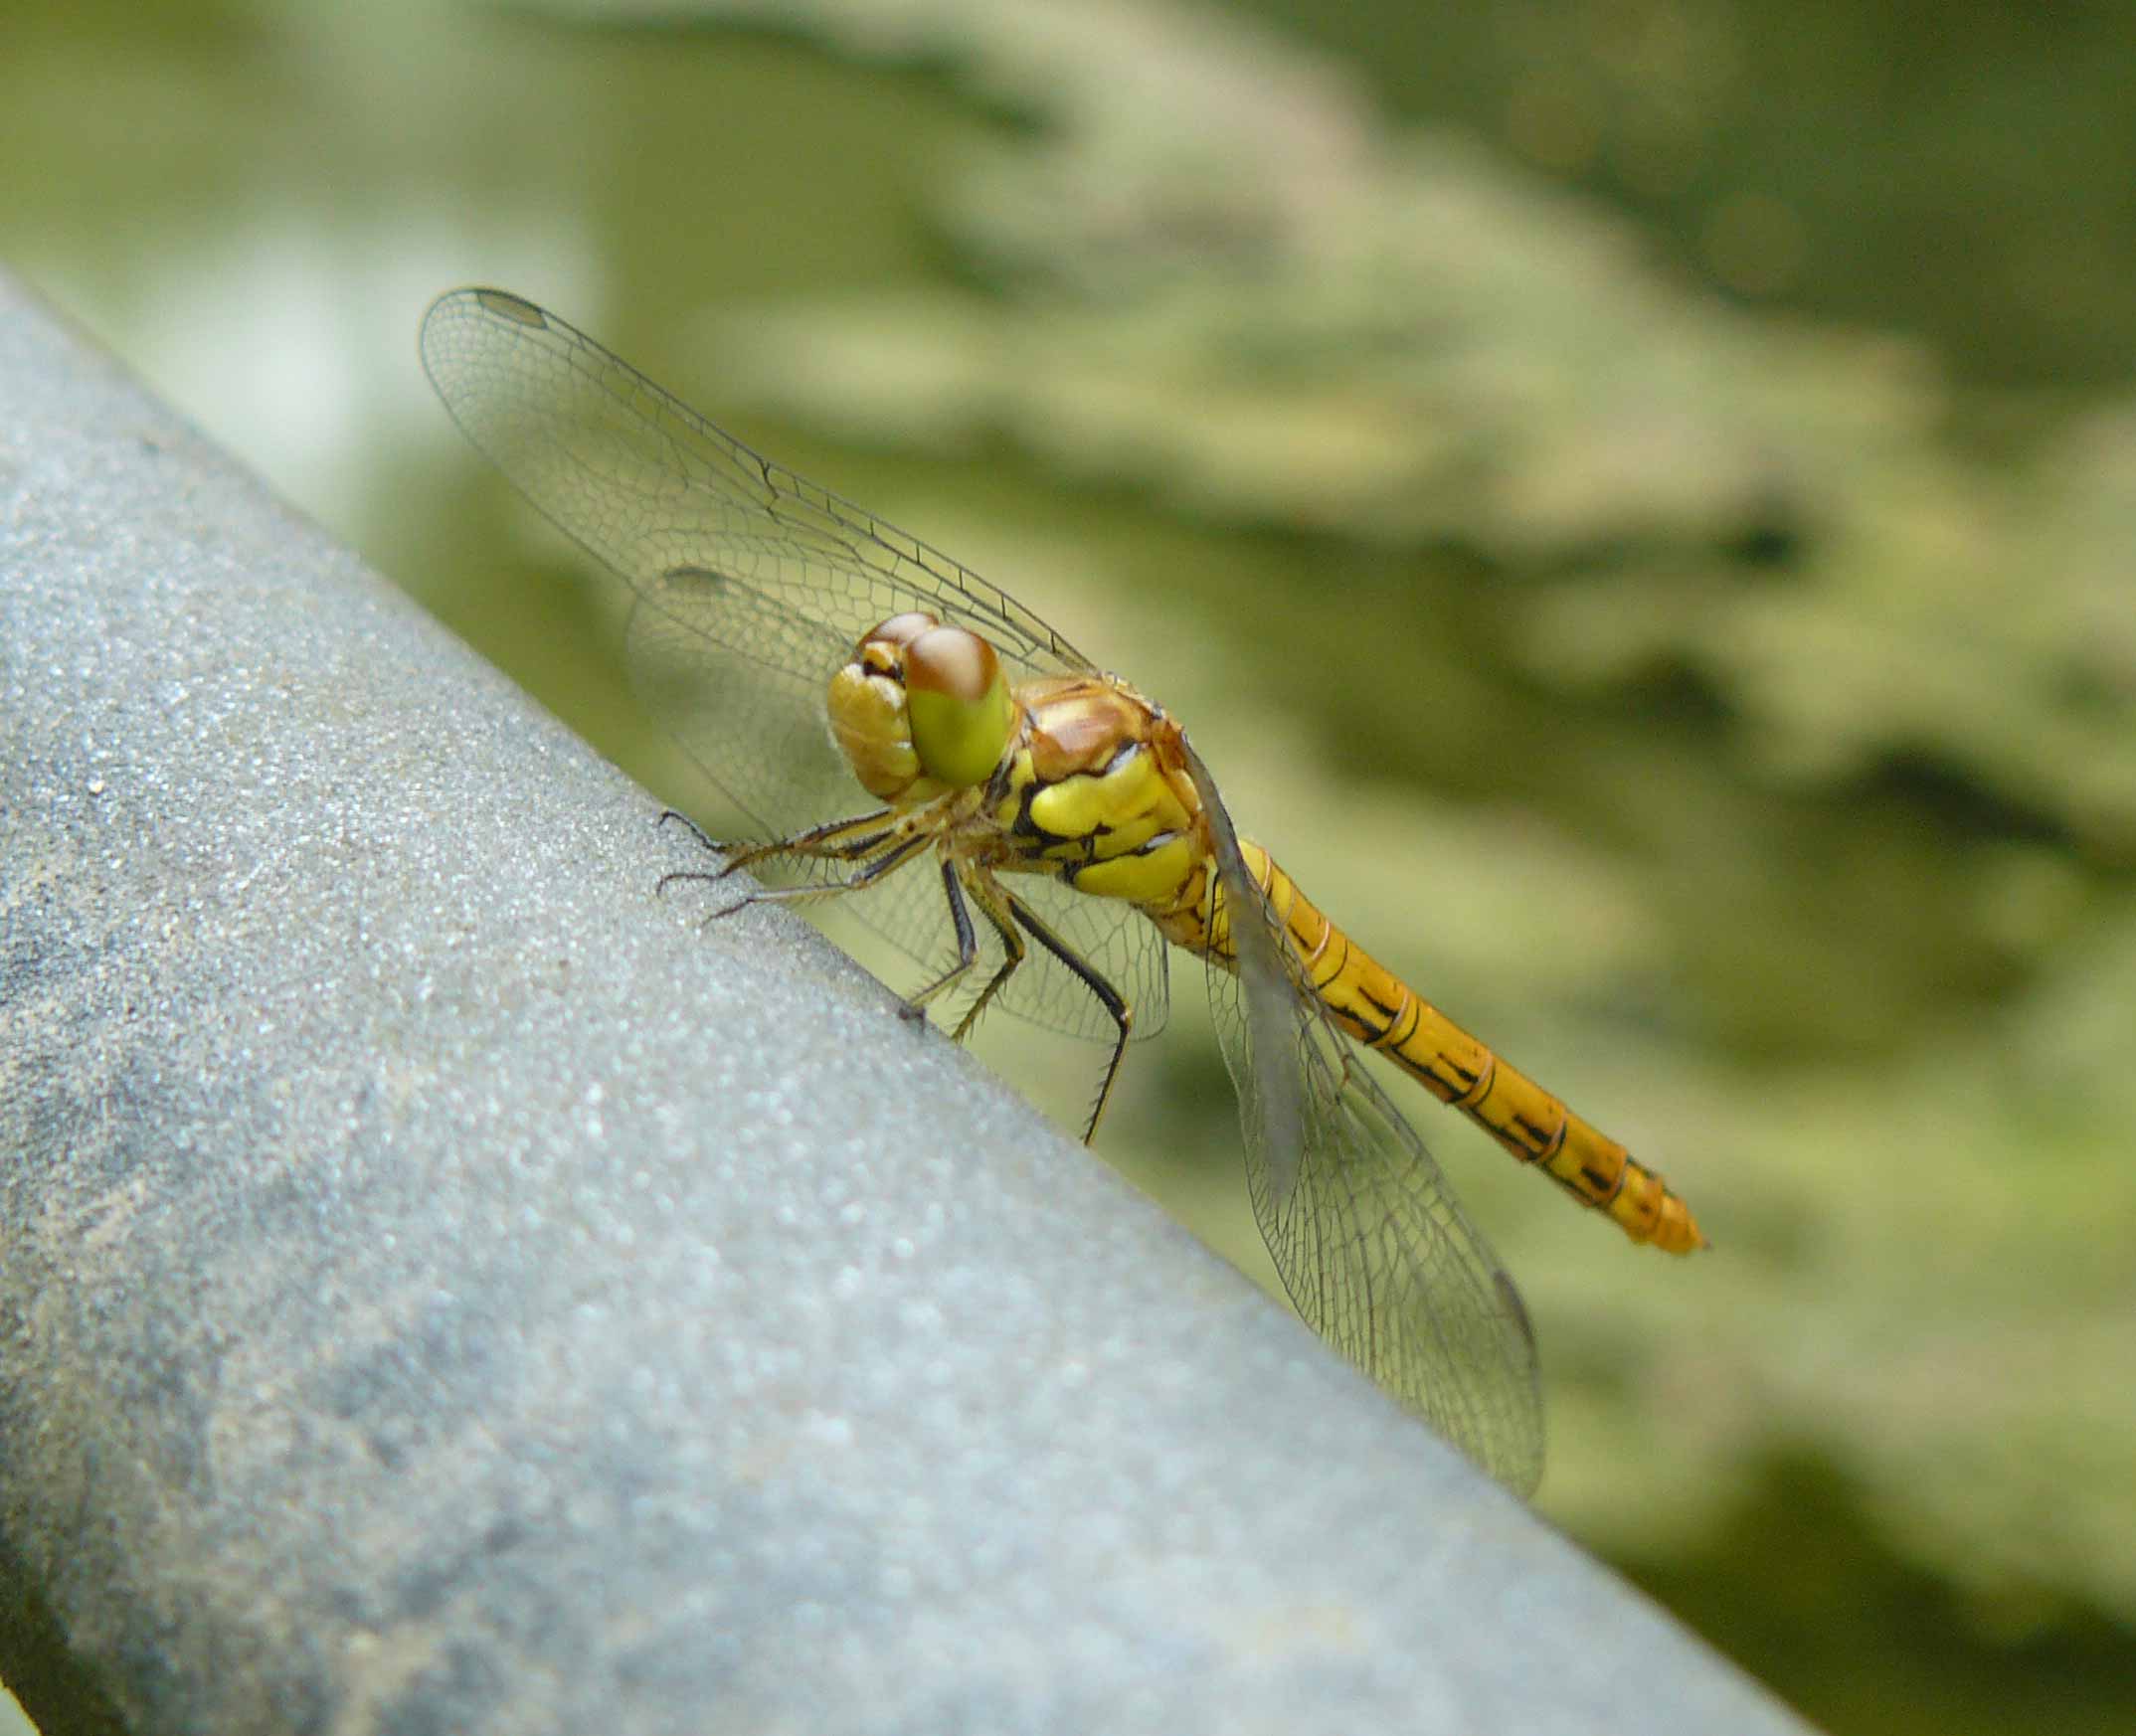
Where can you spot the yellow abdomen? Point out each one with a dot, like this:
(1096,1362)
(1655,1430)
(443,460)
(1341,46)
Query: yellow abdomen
(1374,1006)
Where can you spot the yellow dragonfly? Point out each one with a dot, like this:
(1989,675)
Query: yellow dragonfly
(1065,808)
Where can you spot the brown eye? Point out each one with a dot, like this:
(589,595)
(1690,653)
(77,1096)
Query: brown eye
(960,707)
(952,662)
(901,629)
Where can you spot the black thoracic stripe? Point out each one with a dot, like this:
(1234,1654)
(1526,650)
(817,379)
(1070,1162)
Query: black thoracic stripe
(1073,871)
(1028,826)
(1025,825)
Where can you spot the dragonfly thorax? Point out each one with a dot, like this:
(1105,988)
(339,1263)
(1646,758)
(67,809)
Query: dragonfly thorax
(920,709)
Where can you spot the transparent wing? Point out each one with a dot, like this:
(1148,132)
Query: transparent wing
(748,588)
(1376,1254)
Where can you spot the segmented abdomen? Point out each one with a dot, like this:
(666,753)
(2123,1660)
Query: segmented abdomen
(1374,1006)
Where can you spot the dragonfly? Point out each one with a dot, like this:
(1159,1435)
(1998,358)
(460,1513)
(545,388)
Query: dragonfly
(804,653)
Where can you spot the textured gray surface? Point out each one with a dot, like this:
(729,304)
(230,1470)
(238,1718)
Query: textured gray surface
(444,1290)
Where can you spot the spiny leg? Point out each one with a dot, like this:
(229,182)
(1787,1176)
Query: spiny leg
(966,949)
(704,838)
(696,831)
(799,841)
(995,906)
(836,839)
(882,849)
(848,840)
(889,858)
(1109,997)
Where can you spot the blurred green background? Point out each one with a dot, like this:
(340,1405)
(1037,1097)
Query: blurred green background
(1636,499)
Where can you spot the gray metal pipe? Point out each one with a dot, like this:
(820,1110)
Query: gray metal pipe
(442,1288)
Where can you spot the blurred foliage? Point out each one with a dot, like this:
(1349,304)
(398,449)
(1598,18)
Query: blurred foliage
(1959,170)
(1730,713)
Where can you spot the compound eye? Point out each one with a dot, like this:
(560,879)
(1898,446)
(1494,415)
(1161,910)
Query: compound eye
(901,629)
(882,651)
(957,699)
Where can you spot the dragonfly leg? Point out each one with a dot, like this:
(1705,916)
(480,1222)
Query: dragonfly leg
(861,839)
(697,832)
(1109,997)
(996,906)
(847,840)
(843,840)
(892,856)
(916,1003)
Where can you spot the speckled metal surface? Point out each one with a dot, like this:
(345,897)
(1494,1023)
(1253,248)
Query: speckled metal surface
(442,1288)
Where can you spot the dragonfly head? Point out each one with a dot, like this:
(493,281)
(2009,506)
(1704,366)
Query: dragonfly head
(921,708)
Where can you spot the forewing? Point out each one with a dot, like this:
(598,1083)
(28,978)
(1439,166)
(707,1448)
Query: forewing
(1377,1256)
(749,587)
